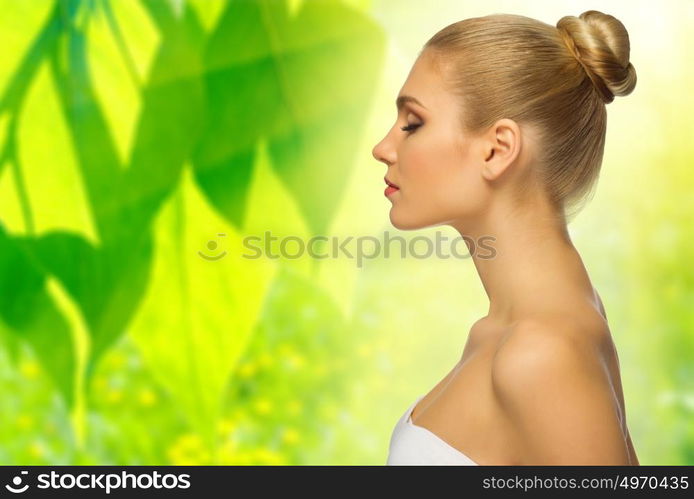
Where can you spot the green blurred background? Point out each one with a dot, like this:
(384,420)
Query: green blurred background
(140,138)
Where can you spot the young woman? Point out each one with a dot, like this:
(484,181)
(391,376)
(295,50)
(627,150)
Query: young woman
(500,134)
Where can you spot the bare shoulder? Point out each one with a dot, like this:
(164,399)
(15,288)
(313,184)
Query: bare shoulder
(550,381)
(535,349)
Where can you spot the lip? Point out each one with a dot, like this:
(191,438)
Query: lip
(391,184)
(390,190)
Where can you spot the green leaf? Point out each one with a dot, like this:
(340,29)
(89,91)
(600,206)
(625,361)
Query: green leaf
(48,164)
(122,44)
(290,80)
(198,314)
(27,308)
(16,38)
(111,282)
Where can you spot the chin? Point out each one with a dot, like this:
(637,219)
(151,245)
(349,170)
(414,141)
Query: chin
(405,223)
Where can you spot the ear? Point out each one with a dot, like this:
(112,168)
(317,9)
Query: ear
(502,145)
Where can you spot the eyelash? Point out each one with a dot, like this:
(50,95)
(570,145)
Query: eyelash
(409,128)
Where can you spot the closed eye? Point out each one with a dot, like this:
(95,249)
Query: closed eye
(410,127)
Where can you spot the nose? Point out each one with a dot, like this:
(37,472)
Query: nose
(383,152)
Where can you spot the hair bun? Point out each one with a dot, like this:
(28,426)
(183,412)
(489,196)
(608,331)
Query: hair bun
(600,42)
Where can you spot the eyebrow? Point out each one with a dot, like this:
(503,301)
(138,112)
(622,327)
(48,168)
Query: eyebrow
(402,99)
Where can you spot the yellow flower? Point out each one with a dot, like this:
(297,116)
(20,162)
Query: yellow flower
(36,449)
(247,370)
(239,458)
(285,349)
(295,361)
(190,441)
(29,369)
(265,359)
(364,350)
(101,383)
(226,426)
(263,406)
(266,456)
(290,436)
(147,397)
(329,412)
(24,421)
(115,395)
(188,449)
(117,360)
(294,407)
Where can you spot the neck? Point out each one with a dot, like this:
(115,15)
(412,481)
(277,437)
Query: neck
(533,264)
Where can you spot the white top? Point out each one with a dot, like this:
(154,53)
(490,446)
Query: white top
(411,445)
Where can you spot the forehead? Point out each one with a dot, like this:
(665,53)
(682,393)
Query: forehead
(425,83)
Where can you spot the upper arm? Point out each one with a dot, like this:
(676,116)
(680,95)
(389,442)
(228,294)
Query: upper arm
(558,397)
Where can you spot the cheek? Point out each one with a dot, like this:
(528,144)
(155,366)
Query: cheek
(435,168)
(429,162)
(449,182)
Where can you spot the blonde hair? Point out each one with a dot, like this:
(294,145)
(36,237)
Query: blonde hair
(557,79)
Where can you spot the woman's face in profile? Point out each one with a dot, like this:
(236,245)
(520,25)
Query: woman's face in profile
(435,166)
